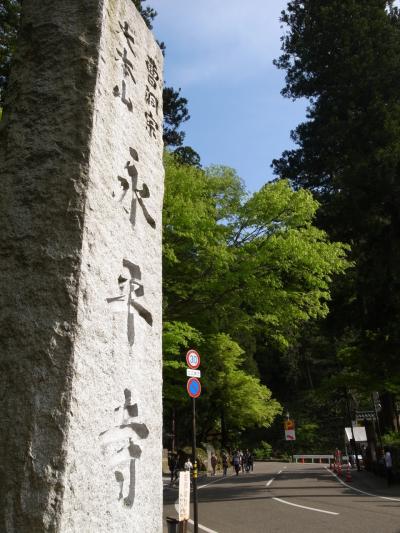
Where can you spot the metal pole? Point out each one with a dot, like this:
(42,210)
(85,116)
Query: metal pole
(173,431)
(195,503)
(352,430)
(292,443)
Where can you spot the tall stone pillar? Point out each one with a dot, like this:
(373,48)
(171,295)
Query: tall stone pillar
(80,284)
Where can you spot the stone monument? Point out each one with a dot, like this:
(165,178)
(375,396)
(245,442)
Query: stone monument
(80,242)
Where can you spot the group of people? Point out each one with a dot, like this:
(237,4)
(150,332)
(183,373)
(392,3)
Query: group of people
(242,461)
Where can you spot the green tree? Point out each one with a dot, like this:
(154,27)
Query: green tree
(344,57)
(187,156)
(234,400)
(175,113)
(258,262)
(237,268)
(148,13)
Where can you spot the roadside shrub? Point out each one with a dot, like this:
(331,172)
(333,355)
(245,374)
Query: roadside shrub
(263,452)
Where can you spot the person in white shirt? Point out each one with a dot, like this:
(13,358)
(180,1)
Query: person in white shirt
(188,465)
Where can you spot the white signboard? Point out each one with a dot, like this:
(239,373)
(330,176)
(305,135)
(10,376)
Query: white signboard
(290,434)
(184,495)
(193,373)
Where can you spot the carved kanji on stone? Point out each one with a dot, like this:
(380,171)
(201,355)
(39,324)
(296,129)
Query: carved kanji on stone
(130,291)
(151,99)
(127,65)
(122,435)
(127,68)
(129,37)
(151,124)
(152,72)
(138,195)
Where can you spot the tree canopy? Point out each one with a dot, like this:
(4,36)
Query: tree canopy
(344,57)
(237,266)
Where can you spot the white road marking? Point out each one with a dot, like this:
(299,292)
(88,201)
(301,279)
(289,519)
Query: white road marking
(304,507)
(204,528)
(362,491)
(270,481)
(280,472)
(214,481)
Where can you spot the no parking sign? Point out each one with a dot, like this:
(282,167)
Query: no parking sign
(194,387)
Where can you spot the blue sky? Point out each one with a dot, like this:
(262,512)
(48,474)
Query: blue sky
(220,53)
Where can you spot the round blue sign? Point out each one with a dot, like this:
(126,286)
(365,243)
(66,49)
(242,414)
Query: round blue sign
(194,387)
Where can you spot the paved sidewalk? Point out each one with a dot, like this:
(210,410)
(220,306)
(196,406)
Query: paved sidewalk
(370,482)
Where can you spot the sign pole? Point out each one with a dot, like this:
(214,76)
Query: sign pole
(353,444)
(195,503)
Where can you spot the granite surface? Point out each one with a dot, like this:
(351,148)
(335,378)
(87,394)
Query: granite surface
(80,286)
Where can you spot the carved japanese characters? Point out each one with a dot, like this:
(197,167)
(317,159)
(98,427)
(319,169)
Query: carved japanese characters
(122,437)
(130,291)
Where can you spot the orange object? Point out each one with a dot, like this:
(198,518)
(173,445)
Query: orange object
(288,424)
(302,460)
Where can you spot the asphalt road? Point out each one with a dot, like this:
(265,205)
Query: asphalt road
(293,498)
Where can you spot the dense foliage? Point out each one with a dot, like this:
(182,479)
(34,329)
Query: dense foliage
(237,267)
(344,57)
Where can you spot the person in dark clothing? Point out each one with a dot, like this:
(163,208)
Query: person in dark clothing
(224,463)
(213,463)
(236,462)
(173,467)
(248,460)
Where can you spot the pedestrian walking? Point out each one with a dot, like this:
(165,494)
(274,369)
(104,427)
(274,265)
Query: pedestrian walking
(244,461)
(224,463)
(250,460)
(213,463)
(188,465)
(236,462)
(173,464)
(388,465)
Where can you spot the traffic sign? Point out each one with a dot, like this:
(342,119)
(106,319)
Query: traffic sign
(193,359)
(193,387)
(290,434)
(193,373)
(288,424)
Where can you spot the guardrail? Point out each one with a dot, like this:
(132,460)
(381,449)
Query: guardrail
(315,458)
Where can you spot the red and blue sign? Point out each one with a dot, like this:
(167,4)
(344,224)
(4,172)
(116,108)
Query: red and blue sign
(193,387)
(193,359)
